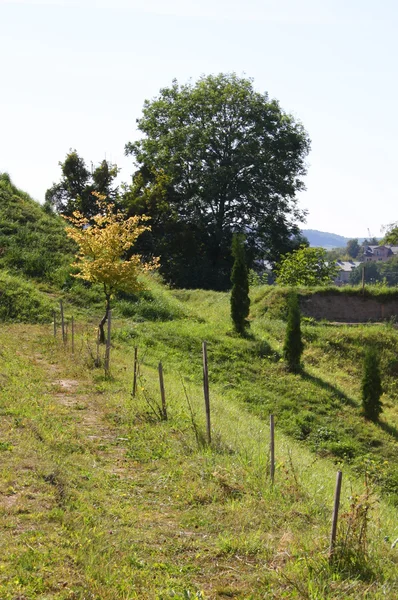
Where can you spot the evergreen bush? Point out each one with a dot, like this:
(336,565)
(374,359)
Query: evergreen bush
(293,346)
(240,301)
(371,386)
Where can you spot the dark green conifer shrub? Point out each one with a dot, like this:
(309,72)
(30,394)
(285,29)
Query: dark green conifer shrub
(293,346)
(240,301)
(371,386)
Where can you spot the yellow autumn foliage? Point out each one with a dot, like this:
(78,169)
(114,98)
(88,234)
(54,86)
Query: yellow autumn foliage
(103,243)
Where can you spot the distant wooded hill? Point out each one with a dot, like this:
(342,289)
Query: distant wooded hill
(326,240)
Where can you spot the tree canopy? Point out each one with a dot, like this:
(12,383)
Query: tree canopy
(377,272)
(78,185)
(230,161)
(306,266)
(391,235)
(353,248)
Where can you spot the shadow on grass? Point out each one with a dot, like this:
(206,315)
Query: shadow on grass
(329,387)
(388,428)
(245,334)
(261,348)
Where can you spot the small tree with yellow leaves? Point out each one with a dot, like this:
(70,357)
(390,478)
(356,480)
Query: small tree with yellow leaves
(102,257)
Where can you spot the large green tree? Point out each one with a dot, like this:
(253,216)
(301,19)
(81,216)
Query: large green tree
(75,190)
(232,161)
(353,248)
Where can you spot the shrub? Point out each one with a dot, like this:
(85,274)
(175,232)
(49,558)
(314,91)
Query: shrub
(371,386)
(293,346)
(240,301)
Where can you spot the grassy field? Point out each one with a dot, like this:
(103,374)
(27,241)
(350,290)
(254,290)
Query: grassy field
(101,499)
(320,406)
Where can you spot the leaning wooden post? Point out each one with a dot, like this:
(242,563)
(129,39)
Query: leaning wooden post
(335,514)
(97,360)
(73,335)
(162,392)
(135,371)
(55,323)
(108,343)
(206,391)
(272,448)
(62,320)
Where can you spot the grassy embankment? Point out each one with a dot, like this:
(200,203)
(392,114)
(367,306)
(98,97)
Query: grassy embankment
(321,405)
(101,499)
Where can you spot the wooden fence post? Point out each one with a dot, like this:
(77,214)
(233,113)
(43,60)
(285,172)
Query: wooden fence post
(62,320)
(162,392)
(97,360)
(335,514)
(108,343)
(135,371)
(73,335)
(206,391)
(272,447)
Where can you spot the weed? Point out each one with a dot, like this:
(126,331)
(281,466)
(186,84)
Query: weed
(154,405)
(351,555)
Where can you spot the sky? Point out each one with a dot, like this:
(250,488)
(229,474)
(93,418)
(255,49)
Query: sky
(75,73)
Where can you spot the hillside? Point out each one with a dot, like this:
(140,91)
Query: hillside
(32,242)
(104,498)
(329,241)
(325,240)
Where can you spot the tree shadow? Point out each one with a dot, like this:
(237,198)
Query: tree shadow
(388,428)
(261,348)
(329,387)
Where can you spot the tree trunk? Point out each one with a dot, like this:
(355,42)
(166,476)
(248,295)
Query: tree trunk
(103,321)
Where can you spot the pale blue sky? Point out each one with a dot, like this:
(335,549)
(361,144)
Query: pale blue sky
(74,74)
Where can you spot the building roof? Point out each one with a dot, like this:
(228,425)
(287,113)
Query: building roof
(347,265)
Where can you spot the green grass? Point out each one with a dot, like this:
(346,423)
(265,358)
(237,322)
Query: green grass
(22,301)
(33,243)
(100,499)
(103,499)
(320,406)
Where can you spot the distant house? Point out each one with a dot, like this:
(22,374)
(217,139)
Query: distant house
(344,269)
(377,253)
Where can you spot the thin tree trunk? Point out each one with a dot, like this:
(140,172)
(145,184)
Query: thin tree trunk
(103,320)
